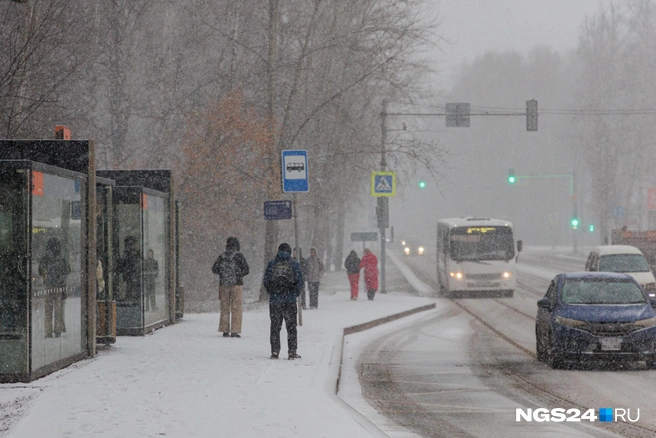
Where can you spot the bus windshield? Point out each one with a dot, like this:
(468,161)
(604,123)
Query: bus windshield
(482,243)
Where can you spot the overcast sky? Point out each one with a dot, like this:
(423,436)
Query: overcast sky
(474,27)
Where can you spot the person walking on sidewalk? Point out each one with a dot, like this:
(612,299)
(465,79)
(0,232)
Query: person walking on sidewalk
(370,264)
(302,262)
(283,281)
(231,267)
(352,265)
(314,270)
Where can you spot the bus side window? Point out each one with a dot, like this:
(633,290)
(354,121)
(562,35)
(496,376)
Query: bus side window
(588,262)
(594,263)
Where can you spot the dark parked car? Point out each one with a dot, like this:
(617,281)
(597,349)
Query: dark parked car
(595,315)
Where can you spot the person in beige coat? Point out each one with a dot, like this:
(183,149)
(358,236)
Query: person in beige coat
(231,267)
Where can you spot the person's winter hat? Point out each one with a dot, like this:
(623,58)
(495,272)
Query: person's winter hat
(285,247)
(232,244)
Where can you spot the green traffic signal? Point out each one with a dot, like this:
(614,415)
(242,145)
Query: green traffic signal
(575,223)
(511,176)
(422,184)
(591,228)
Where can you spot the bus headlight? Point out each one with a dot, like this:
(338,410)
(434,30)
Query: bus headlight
(407,250)
(421,250)
(507,275)
(457,275)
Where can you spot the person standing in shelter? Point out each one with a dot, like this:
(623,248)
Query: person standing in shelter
(54,269)
(302,262)
(352,265)
(231,267)
(151,271)
(314,270)
(283,281)
(130,266)
(370,264)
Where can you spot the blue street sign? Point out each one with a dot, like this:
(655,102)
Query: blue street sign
(295,176)
(618,212)
(274,210)
(383,183)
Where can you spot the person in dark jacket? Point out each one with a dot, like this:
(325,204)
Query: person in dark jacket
(55,269)
(231,267)
(283,281)
(130,266)
(352,265)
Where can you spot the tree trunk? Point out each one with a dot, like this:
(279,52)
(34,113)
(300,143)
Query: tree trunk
(271,227)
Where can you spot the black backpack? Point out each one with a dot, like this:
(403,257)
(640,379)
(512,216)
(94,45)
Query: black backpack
(282,276)
(227,270)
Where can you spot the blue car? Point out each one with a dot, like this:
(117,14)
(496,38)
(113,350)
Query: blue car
(595,315)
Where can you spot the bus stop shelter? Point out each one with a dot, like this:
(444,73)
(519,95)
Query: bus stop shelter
(47,256)
(143,249)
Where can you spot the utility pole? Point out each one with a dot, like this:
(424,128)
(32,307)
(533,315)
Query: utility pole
(383,164)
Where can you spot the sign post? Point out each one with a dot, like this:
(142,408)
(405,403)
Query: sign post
(383,185)
(295,179)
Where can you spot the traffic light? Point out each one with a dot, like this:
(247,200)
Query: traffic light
(591,228)
(532,115)
(422,184)
(511,176)
(575,223)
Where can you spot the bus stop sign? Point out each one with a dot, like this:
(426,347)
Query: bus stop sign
(295,176)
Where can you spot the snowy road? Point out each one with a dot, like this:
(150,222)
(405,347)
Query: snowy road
(465,370)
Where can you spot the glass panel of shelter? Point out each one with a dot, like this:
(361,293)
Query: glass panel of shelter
(128,252)
(141,251)
(58,327)
(155,220)
(13,271)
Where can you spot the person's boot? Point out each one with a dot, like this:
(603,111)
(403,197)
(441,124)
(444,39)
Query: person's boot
(293,355)
(226,334)
(274,355)
(235,335)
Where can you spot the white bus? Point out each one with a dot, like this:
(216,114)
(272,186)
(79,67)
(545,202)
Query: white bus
(476,256)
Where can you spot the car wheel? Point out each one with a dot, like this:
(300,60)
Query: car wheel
(554,358)
(540,348)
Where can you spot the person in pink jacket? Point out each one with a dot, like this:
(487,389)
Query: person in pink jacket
(370,264)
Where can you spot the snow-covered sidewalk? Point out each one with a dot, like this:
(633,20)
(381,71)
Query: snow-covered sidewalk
(186,380)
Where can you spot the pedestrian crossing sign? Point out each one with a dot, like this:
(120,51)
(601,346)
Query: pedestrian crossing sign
(383,183)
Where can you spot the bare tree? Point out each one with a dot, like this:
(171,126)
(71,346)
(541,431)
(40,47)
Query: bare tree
(43,47)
